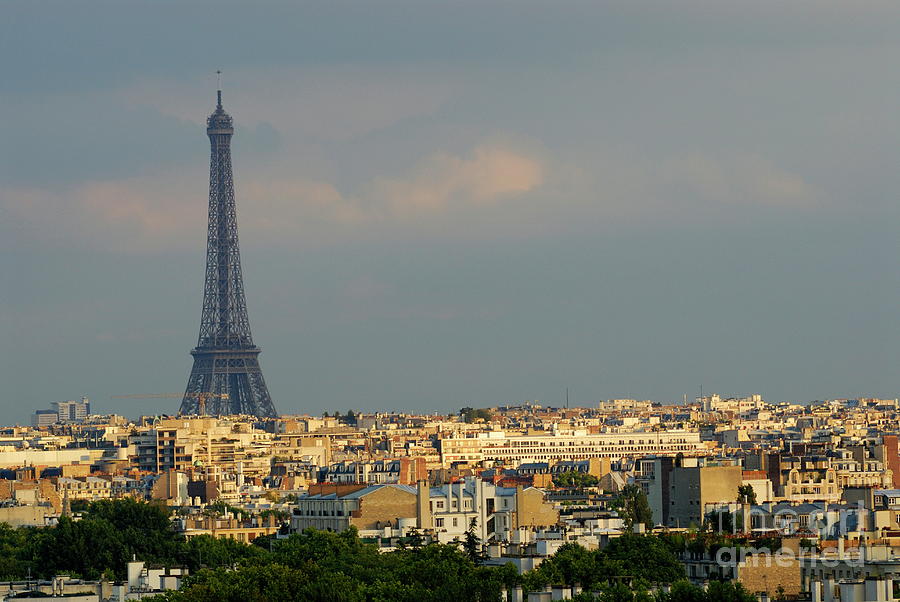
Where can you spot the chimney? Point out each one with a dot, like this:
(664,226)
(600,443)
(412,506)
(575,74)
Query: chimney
(423,506)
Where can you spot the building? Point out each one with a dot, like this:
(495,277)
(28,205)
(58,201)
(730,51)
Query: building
(447,511)
(498,447)
(372,507)
(405,471)
(230,527)
(72,412)
(865,573)
(62,412)
(693,487)
(44,418)
(771,572)
(496,511)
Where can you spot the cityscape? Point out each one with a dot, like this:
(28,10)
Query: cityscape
(400,448)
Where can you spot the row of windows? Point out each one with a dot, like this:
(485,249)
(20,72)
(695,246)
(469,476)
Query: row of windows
(331,512)
(586,447)
(651,441)
(440,505)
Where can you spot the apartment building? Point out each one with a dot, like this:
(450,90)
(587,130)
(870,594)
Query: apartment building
(513,450)
(62,412)
(446,511)
(180,443)
(496,511)
(694,487)
(405,471)
(373,507)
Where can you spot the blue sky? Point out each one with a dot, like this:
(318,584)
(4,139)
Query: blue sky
(455,203)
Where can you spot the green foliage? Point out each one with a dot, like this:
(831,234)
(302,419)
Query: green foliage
(314,565)
(280,515)
(746,494)
(79,505)
(571,564)
(318,565)
(263,583)
(12,542)
(109,534)
(473,415)
(616,592)
(472,544)
(681,591)
(645,557)
(728,591)
(720,521)
(214,552)
(220,508)
(630,558)
(633,507)
(574,478)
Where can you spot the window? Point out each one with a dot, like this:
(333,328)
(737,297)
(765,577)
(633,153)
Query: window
(439,522)
(455,522)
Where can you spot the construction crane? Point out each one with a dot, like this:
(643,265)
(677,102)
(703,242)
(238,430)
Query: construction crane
(201,397)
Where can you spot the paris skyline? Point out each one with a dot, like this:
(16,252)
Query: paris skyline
(449,205)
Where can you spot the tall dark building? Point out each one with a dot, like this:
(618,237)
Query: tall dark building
(226,377)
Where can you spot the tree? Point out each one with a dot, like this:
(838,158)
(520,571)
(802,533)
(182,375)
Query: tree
(719,521)
(573,478)
(633,507)
(746,494)
(644,557)
(472,415)
(728,591)
(615,592)
(472,544)
(220,508)
(108,535)
(215,552)
(683,591)
(570,564)
(636,560)
(12,543)
(265,583)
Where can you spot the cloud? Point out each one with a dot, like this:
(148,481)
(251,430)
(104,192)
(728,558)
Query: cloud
(489,174)
(167,209)
(491,190)
(743,179)
(135,214)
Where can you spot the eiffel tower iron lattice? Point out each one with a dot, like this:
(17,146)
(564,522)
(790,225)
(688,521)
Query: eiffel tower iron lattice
(226,373)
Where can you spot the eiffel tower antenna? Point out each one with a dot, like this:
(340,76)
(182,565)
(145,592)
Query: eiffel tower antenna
(226,373)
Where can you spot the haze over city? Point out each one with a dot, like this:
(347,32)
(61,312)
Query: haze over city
(444,205)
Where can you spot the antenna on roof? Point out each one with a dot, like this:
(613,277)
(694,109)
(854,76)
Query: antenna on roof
(219,88)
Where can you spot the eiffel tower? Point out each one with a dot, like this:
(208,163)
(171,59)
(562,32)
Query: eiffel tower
(226,377)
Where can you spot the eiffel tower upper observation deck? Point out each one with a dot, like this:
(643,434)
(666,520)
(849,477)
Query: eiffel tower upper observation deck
(226,377)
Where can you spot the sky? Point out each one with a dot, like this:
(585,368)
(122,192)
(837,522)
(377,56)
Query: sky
(448,204)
